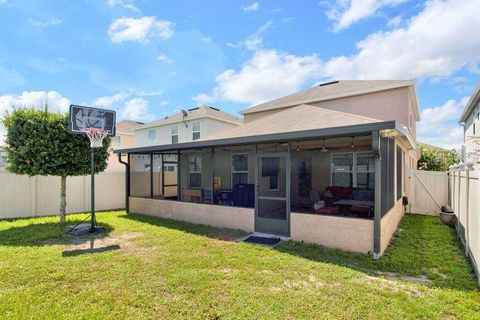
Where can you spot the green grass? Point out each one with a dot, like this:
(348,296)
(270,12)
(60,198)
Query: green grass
(166,269)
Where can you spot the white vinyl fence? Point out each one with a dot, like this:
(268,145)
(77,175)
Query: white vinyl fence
(428,191)
(23,196)
(465,201)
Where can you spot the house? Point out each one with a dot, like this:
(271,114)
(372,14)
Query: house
(124,138)
(185,126)
(470,119)
(328,165)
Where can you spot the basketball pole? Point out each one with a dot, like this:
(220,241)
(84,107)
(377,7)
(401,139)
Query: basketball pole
(92,188)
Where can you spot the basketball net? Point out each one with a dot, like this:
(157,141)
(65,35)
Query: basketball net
(96,137)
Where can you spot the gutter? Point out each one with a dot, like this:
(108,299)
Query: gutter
(127,181)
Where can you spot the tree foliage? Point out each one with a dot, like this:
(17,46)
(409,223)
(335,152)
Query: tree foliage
(38,143)
(436,159)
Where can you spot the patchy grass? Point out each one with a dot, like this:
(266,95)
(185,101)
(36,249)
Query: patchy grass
(146,267)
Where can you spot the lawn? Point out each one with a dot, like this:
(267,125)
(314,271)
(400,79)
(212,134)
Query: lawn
(153,268)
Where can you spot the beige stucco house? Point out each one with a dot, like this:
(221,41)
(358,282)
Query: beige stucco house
(328,165)
(124,138)
(470,119)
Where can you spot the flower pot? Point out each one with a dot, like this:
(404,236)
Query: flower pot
(447,218)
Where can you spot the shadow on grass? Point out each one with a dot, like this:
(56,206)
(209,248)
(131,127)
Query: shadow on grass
(90,250)
(44,234)
(197,229)
(422,249)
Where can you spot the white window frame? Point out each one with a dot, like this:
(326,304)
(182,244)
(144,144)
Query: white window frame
(196,171)
(173,134)
(234,171)
(195,131)
(154,136)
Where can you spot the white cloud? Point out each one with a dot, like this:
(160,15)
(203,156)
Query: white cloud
(423,48)
(48,23)
(439,125)
(129,104)
(347,12)
(139,30)
(255,40)
(136,109)
(250,8)
(267,75)
(32,99)
(395,22)
(164,58)
(3,2)
(127,4)
(164,103)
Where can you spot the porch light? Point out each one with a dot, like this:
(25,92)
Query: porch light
(351,145)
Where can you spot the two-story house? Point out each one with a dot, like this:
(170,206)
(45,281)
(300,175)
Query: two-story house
(327,165)
(470,119)
(185,126)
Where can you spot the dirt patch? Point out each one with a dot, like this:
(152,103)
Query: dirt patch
(392,276)
(391,285)
(311,283)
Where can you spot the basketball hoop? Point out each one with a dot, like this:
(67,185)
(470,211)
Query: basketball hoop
(96,136)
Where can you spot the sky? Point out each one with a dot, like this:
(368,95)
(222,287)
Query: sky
(148,59)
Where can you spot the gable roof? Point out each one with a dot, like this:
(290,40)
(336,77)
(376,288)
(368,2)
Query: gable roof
(127,126)
(336,90)
(298,118)
(195,113)
(472,102)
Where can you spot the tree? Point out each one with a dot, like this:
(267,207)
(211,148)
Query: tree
(38,143)
(435,158)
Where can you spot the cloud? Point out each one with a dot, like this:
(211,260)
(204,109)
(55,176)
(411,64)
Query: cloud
(164,103)
(139,30)
(423,48)
(32,99)
(15,79)
(347,12)
(127,4)
(164,58)
(136,109)
(255,40)
(129,104)
(439,125)
(267,75)
(250,8)
(48,23)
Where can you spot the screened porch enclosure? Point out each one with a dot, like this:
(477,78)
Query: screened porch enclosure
(331,176)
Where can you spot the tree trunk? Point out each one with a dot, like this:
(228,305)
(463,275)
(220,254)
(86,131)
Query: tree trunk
(63,198)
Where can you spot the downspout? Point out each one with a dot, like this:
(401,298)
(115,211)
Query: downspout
(127,180)
(377,219)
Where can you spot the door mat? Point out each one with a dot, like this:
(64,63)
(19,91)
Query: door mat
(263,240)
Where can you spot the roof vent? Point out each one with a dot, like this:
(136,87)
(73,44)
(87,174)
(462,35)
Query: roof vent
(193,109)
(214,108)
(327,83)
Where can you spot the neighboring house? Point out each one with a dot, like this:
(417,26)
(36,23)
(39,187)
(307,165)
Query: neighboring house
(328,165)
(471,121)
(124,138)
(192,125)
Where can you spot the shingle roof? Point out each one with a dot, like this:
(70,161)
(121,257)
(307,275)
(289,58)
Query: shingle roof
(330,91)
(472,102)
(127,126)
(302,117)
(196,113)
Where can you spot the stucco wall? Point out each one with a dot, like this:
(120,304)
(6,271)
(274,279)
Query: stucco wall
(218,216)
(389,224)
(348,234)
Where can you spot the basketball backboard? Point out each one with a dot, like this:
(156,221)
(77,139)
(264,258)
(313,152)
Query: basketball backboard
(83,118)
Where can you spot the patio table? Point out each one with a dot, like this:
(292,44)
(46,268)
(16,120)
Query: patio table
(344,204)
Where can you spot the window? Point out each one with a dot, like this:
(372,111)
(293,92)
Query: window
(342,170)
(270,169)
(365,171)
(399,173)
(152,134)
(115,141)
(194,171)
(239,169)
(170,168)
(196,131)
(174,132)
